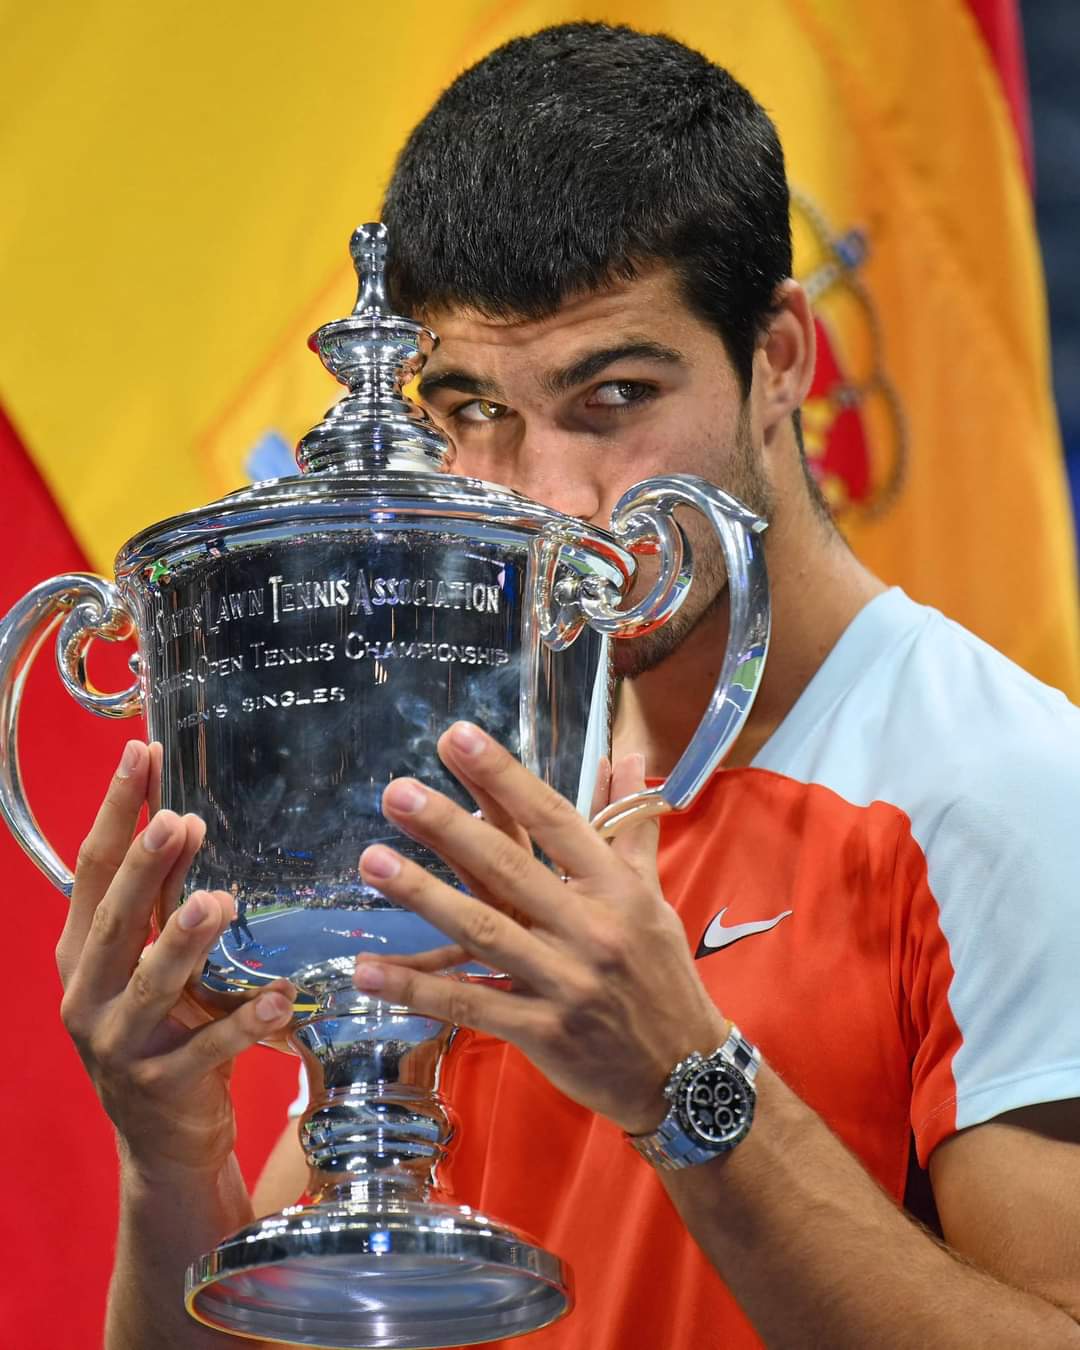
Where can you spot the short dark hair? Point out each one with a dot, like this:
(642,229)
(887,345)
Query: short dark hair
(571,158)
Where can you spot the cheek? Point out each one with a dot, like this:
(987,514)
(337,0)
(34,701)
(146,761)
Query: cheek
(662,446)
(470,455)
(466,462)
(686,436)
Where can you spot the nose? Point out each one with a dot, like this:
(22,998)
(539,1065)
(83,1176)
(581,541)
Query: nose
(555,468)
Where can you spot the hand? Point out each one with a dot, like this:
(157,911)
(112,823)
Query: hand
(605,997)
(163,1080)
(444,959)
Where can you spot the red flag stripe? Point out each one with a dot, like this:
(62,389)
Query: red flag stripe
(999,23)
(64,1184)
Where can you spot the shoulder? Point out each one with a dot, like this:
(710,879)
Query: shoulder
(980,758)
(924,715)
(985,761)
(988,748)
(978,685)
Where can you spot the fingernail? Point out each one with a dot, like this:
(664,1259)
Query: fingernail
(380,862)
(158,833)
(193,911)
(405,795)
(369,977)
(270,1007)
(129,759)
(466,738)
(191,819)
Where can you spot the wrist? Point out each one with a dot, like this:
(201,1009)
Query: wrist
(652,1111)
(154,1178)
(710,1098)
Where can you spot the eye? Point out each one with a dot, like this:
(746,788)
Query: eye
(620,394)
(481,410)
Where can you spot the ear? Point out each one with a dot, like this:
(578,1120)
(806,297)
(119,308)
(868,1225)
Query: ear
(784,360)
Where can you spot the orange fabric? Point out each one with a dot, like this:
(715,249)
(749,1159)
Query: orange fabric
(862,969)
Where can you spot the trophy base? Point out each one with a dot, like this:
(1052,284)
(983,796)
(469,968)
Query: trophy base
(391,1274)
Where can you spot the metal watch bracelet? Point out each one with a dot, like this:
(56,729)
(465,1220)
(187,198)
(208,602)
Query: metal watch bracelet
(669,1147)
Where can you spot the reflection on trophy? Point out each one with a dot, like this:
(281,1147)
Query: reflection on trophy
(301,643)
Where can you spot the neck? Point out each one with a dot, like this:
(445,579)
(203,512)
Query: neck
(816,587)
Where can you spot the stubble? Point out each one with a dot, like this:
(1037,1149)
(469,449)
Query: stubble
(744,479)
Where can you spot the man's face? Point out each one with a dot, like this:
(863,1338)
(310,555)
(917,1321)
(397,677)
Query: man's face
(620,384)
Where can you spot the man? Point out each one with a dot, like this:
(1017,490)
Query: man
(239,925)
(880,888)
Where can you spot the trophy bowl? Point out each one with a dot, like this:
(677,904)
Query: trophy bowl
(301,643)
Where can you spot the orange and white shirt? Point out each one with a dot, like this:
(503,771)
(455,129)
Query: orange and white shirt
(887,901)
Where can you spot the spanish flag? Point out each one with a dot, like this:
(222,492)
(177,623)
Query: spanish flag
(179,187)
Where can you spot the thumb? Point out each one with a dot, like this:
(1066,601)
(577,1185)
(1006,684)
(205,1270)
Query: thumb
(636,843)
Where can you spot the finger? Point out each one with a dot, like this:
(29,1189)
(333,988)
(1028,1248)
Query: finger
(103,850)
(627,776)
(214,1045)
(491,811)
(173,886)
(435,959)
(121,921)
(550,820)
(636,843)
(495,814)
(159,979)
(469,883)
(514,880)
(474,885)
(463,1003)
(479,928)
(153,795)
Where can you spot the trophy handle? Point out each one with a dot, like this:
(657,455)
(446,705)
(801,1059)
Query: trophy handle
(642,517)
(84,607)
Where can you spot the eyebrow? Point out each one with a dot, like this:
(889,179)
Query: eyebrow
(585,368)
(462,382)
(590,365)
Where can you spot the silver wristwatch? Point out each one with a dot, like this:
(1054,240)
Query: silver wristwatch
(711,1106)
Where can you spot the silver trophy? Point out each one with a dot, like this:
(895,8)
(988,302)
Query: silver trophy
(300,643)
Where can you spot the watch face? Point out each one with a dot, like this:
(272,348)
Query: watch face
(715,1103)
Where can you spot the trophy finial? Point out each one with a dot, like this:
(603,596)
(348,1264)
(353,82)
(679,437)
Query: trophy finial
(368,249)
(374,353)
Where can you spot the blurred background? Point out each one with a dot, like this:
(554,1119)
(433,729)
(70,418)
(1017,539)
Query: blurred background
(178,188)
(1052,38)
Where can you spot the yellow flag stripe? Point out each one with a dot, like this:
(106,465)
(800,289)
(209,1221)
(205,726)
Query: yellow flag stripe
(183,193)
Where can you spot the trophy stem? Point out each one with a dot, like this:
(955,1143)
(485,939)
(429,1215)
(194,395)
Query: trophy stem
(381,1256)
(376,1128)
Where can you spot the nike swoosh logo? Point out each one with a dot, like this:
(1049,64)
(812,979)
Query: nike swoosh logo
(717,935)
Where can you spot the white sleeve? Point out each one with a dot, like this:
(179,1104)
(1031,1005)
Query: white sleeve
(299,1105)
(1003,863)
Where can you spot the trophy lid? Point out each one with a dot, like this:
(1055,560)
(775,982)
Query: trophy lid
(374,353)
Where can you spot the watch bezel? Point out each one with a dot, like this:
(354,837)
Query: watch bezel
(677,1141)
(718,1064)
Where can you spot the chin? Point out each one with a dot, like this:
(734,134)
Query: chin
(632,657)
(636,656)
